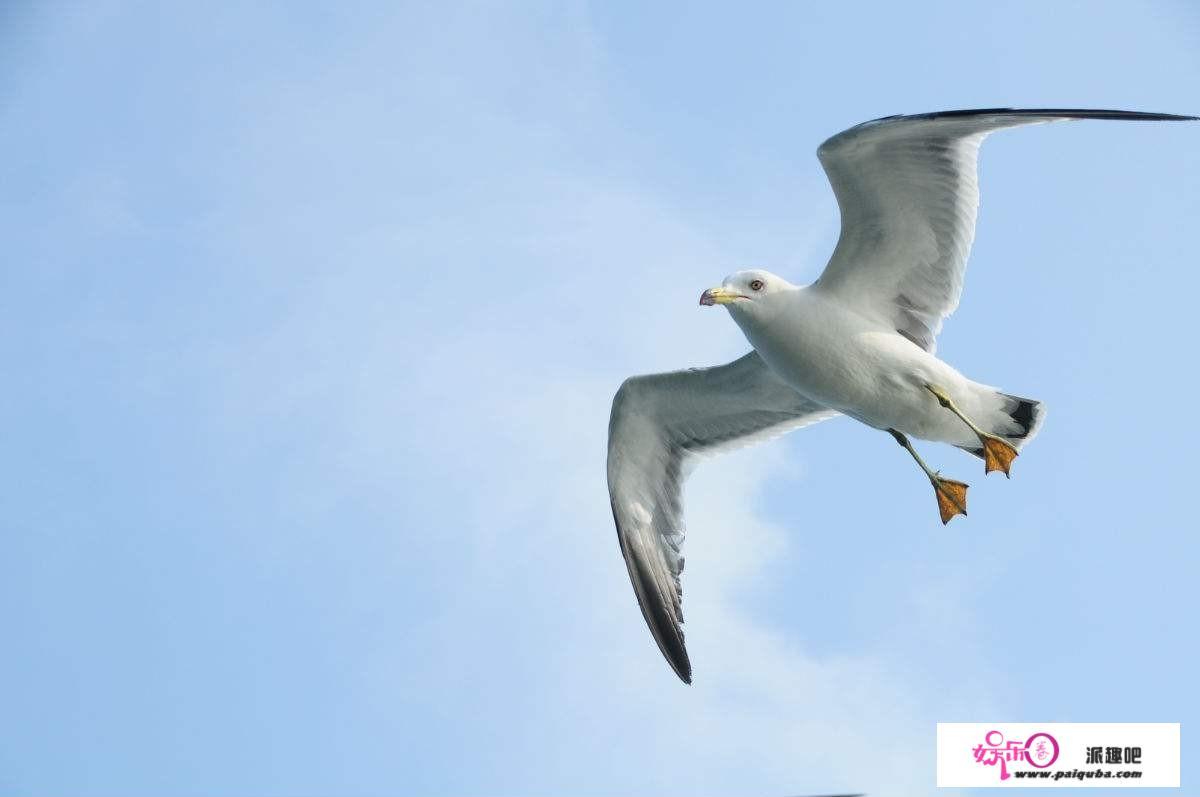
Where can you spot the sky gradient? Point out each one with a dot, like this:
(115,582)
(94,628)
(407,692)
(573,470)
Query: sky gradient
(310,319)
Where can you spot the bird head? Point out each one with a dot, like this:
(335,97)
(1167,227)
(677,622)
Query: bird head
(745,288)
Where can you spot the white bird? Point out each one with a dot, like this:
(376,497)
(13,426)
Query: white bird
(859,341)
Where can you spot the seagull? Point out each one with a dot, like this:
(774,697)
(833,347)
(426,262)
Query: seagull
(860,341)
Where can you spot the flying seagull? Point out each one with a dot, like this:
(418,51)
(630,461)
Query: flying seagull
(860,341)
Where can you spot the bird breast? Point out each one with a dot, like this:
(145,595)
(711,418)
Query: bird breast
(830,354)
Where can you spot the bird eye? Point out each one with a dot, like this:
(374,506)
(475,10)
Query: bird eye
(756,285)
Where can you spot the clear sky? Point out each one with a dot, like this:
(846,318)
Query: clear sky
(310,318)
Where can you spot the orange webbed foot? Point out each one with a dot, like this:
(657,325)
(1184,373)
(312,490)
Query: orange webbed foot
(951,498)
(998,454)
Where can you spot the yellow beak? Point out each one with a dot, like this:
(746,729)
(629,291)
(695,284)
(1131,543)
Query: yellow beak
(719,296)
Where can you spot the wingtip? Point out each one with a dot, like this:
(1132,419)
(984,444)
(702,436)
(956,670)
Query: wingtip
(1065,113)
(682,667)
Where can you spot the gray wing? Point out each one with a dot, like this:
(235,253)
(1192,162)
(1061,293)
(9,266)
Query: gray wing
(660,423)
(908,191)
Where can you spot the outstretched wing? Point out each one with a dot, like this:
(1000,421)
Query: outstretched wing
(908,191)
(660,423)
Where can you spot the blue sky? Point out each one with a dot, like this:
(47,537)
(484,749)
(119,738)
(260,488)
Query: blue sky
(310,318)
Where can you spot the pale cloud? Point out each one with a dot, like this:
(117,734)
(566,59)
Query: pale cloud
(515,414)
(502,414)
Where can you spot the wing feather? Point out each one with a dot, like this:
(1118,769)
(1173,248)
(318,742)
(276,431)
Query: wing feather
(908,191)
(660,425)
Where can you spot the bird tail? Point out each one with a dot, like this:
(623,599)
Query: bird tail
(1017,420)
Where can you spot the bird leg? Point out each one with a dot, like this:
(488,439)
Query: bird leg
(998,453)
(951,495)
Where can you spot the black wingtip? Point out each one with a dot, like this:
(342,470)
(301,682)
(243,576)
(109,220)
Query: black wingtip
(1065,113)
(681,664)
(664,620)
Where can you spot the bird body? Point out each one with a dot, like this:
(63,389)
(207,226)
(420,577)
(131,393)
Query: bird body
(851,363)
(860,341)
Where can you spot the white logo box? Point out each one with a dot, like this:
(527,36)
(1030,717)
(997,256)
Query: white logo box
(1048,754)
